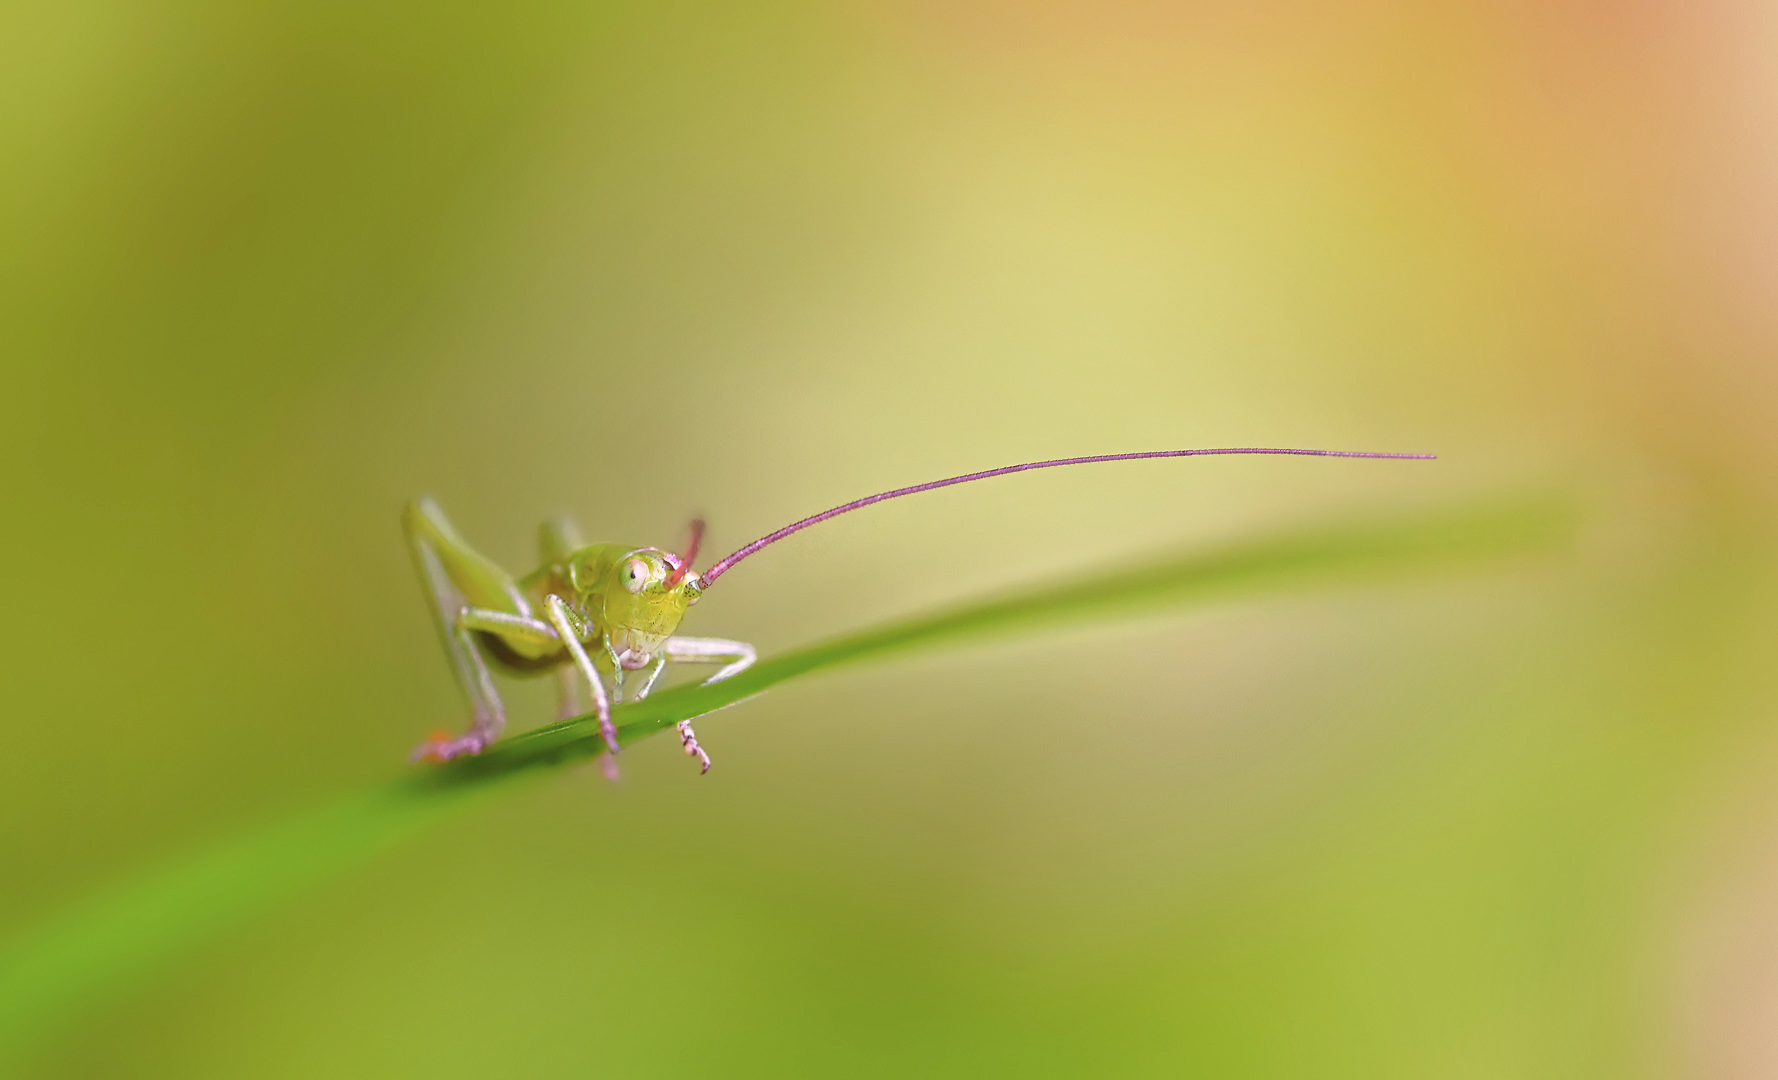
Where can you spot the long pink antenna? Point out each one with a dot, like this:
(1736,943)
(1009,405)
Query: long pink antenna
(722,565)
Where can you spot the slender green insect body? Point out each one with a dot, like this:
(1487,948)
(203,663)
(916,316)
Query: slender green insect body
(592,612)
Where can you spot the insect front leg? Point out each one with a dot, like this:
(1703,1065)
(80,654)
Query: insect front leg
(738,655)
(617,672)
(654,672)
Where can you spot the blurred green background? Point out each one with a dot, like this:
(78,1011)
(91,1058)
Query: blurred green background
(265,273)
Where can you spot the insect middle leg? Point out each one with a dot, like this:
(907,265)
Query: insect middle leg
(565,623)
(557,540)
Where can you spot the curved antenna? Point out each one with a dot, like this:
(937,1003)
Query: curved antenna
(723,564)
(691,552)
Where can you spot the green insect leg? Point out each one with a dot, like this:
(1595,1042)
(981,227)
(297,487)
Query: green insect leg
(654,672)
(456,576)
(556,609)
(735,656)
(557,539)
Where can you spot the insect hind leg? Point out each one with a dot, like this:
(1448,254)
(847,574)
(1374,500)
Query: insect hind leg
(454,574)
(557,539)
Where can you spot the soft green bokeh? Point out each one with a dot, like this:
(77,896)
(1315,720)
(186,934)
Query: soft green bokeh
(264,274)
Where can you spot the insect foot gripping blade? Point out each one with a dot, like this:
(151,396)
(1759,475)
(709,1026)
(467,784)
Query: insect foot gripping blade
(441,747)
(689,739)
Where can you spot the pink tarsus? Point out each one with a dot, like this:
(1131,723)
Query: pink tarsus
(441,748)
(722,565)
(689,739)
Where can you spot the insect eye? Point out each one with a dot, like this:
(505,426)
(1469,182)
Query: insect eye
(635,575)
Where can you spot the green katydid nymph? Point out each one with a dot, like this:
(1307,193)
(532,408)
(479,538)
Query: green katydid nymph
(614,606)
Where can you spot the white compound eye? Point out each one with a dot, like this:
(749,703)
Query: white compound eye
(636,575)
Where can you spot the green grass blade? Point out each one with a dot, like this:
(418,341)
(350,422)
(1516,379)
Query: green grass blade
(145,922)
(1318,558)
